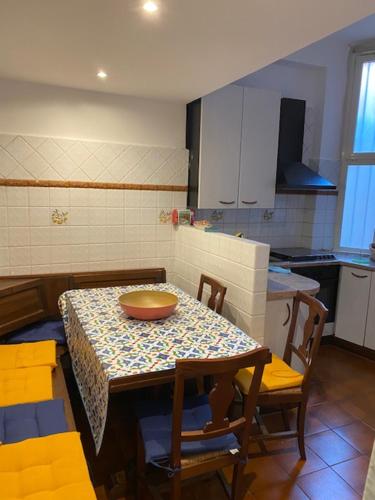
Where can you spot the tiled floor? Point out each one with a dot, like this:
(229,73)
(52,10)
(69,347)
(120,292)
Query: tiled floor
(340,435)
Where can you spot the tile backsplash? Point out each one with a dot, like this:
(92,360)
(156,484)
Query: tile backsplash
(102,230)
(296,220)
(51,158)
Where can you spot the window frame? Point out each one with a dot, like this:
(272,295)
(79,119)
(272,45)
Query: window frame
(358,56)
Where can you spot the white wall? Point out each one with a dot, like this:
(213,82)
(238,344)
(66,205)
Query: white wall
(332,54)
(35,109)
(298,81)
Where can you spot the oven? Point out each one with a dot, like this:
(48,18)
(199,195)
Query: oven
(328,277)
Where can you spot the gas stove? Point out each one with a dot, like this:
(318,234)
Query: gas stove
(300,254)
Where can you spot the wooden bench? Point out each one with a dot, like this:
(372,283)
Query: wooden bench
(26,299)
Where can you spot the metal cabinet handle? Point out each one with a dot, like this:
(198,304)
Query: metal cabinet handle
(288,317)
(249,202)
(227,202)
(359,275)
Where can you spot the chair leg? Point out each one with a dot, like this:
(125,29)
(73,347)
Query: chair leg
(301,415)
(176,486)
(237,482)
(141,468)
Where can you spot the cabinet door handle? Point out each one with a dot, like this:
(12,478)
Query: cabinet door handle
(249,202)
(227,202)
(359,275)
(288,317)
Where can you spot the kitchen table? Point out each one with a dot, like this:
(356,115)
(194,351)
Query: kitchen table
(111,352)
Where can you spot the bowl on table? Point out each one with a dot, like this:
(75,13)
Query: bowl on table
(148,304)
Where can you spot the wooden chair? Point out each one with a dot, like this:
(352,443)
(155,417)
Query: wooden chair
(187,448)
(218,291)
(285,388)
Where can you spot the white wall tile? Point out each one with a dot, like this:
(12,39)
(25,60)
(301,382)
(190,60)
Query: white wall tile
(40,216)
(40,255)
(17,216)
(19,236)
(59,197)
(39,197)
(19,256)
(17,196)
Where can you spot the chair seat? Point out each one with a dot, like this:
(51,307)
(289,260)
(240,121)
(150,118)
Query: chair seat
(46,468)
(44,330)
(25,385)
(28,355)
(32,420)
(277,375)
(155,421)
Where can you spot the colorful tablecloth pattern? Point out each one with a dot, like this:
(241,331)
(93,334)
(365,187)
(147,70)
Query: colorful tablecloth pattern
(105,344)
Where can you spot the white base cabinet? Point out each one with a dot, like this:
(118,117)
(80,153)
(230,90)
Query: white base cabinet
(353,305)
(370,325)
(277,322)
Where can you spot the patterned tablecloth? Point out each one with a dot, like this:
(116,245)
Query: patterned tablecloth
(105,344)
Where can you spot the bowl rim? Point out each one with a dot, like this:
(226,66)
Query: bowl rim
(136,292)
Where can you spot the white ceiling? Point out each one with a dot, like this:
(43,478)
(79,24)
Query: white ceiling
(188,49)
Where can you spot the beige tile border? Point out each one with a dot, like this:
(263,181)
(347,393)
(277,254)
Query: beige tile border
(90,185)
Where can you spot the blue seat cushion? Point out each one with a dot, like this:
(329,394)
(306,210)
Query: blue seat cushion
(155,421)
(44,330)
(31,420)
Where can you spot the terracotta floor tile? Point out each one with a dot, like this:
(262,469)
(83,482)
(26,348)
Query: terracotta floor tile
(359,435)
(286,491)
(261,473)
(291,462)
(331,414)
(326,485)
(331,447)
(354,472)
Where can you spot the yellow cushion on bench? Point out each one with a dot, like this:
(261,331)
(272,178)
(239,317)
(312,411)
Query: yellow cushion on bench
(46,468)
(28,354)
(25,385)
(276,375)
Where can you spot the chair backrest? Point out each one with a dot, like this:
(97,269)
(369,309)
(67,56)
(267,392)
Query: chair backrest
(312,332)
(220,398)
(218,291)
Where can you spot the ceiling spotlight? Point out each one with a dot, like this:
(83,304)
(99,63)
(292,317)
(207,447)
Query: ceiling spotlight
(101,74)
(150,7)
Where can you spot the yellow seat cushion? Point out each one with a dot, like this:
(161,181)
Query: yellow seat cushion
(46,468)
(28,354)
(25,385)
(276,375)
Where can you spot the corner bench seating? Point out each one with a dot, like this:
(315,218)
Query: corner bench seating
(32,420)
(46,468)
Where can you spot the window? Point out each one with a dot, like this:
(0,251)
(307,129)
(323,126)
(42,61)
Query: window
(358,214)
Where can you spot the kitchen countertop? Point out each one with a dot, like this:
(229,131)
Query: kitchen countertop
(285,286)
(342,258)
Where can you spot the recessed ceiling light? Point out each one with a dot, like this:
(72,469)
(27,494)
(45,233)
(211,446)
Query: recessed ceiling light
(101,74)
(150,7)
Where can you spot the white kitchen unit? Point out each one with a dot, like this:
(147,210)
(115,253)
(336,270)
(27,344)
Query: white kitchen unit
(232,136)
(353,305)
(220,148)
(370,326)
(260,133)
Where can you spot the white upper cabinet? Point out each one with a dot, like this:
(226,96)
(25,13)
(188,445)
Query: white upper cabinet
(220,148)
(259,145)
(232,135)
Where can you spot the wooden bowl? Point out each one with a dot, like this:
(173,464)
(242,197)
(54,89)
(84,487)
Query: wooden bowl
(148,304)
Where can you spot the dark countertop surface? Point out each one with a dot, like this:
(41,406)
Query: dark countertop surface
(342,258)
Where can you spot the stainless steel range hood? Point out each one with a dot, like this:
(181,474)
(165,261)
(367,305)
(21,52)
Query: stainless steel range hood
(292,174)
